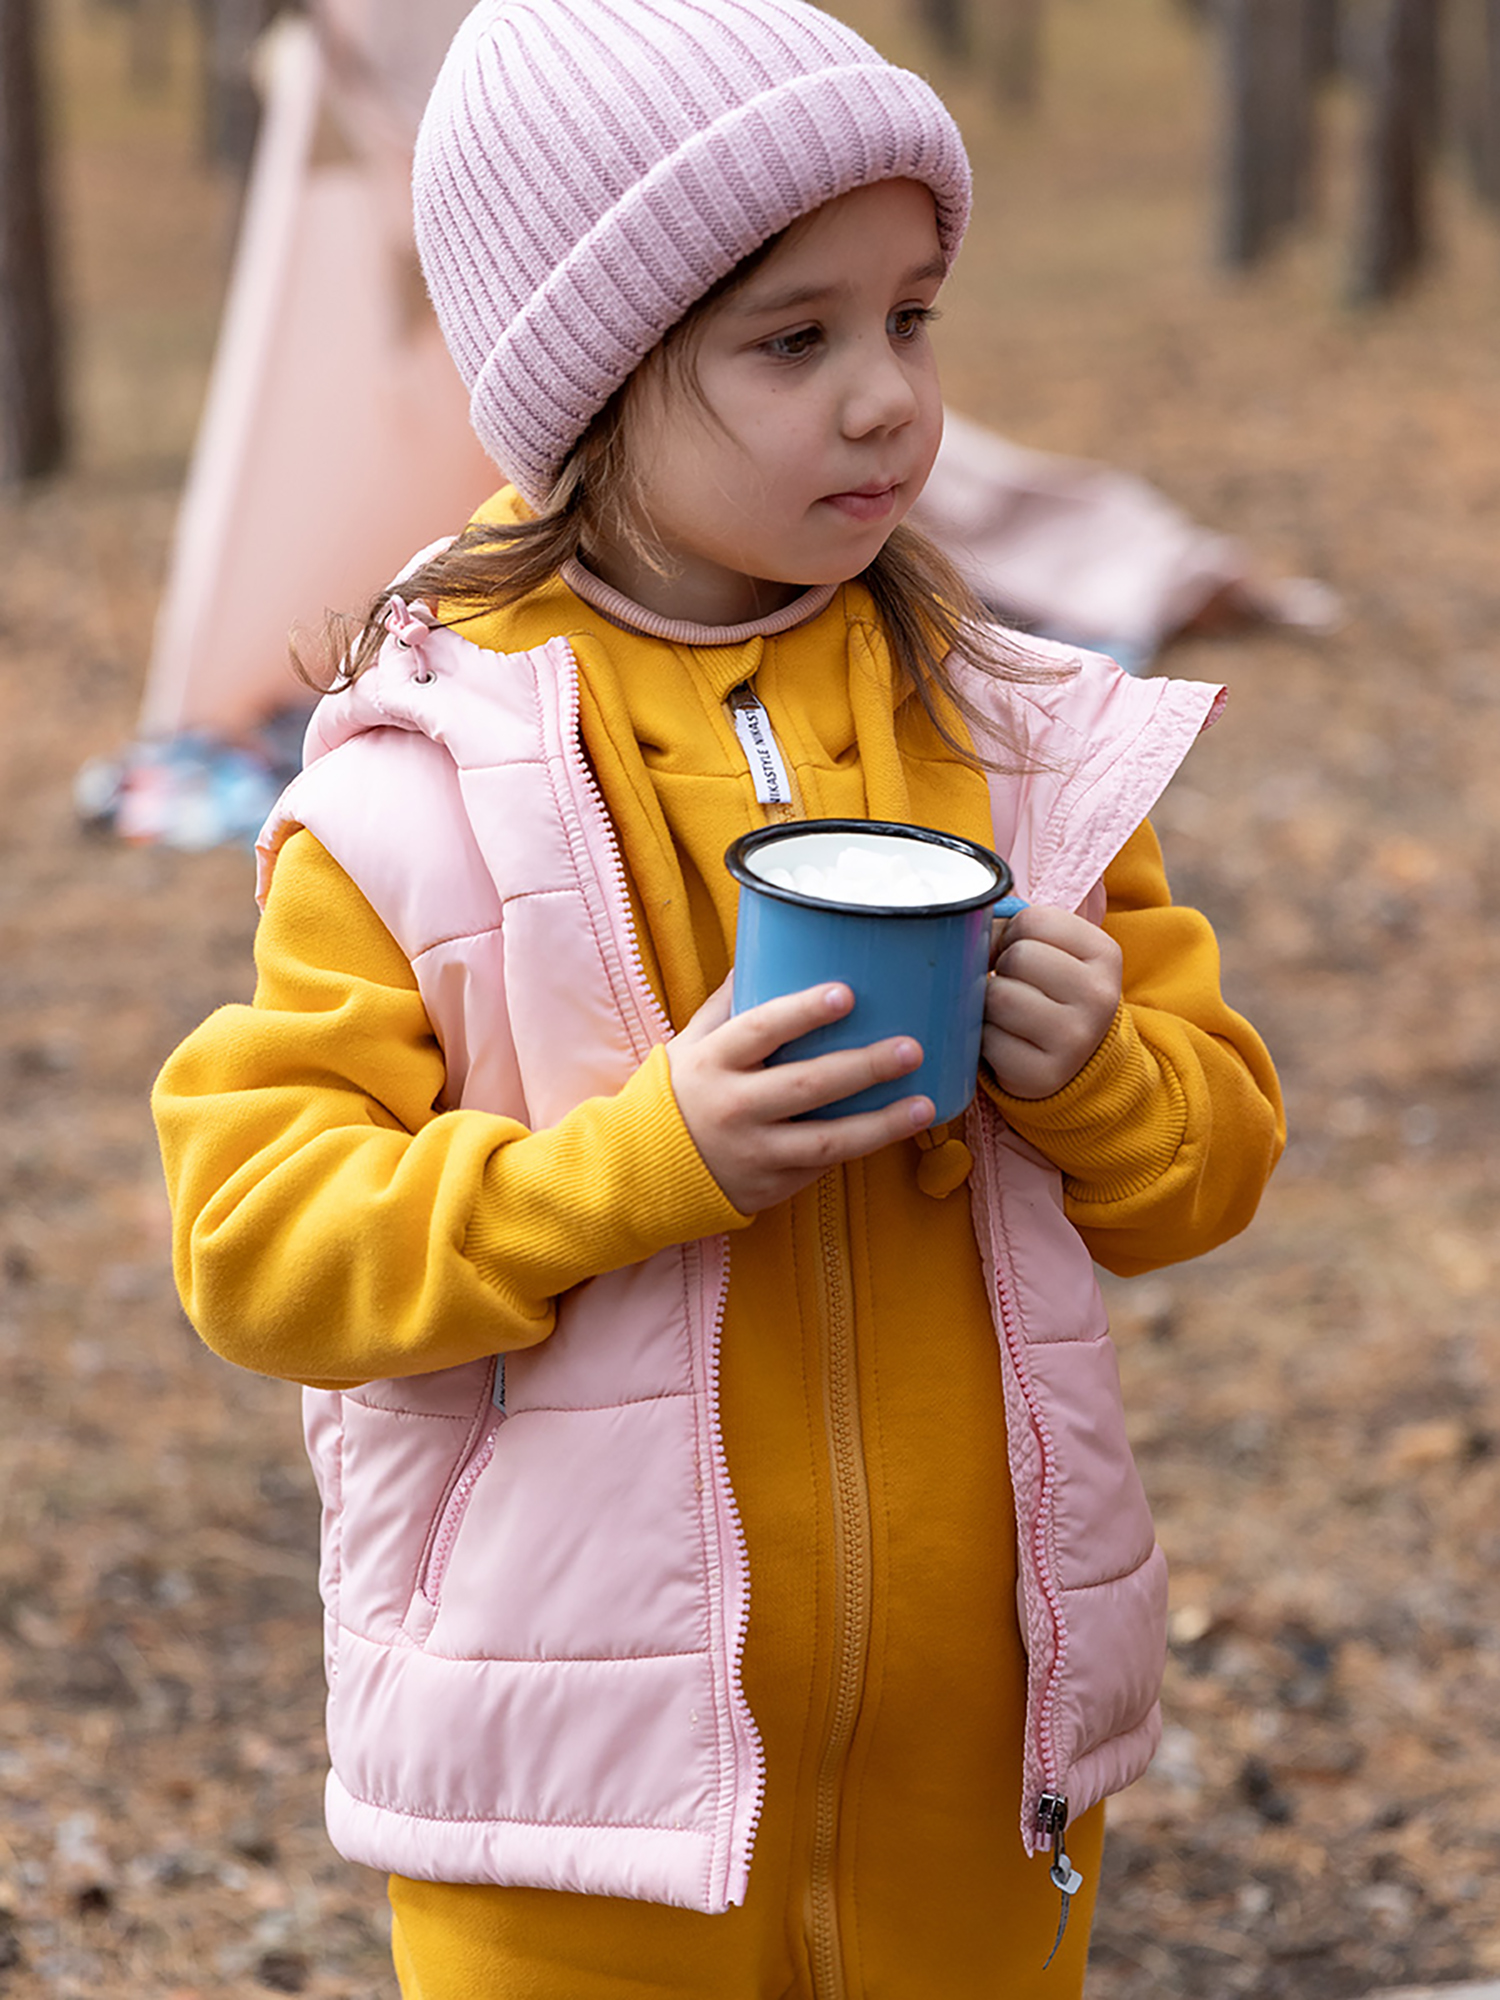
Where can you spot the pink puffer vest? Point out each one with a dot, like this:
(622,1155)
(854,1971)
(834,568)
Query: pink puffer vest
(536,1594)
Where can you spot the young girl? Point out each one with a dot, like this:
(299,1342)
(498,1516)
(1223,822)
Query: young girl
(737,1582)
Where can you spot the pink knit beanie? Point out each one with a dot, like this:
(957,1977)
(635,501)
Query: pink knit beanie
(587,169)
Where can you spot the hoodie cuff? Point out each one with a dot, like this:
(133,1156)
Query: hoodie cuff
(611,1183)
(1116,1127)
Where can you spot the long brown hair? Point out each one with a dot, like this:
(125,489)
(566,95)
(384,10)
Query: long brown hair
(931,616)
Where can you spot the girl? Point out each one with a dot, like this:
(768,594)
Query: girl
(736,1576)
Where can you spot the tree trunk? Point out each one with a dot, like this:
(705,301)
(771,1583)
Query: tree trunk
(1393,229)
(230,31)
(1475,72)
(1267,146)
(1323,39)
(1018,52)
(150,44)
(1487,174)
(32,433)
(947,22)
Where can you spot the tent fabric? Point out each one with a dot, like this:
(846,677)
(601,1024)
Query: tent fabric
(335,432)
(1074,549)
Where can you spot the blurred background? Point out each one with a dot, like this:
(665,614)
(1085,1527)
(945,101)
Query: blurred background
(1239,262)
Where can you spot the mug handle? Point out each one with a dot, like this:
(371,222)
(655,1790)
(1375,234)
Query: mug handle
(1009,906)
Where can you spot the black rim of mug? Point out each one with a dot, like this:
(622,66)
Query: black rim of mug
(737,859)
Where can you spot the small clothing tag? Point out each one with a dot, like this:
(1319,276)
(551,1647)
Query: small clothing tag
(1067,1880)
(762,752)
(1065,1876)
(498,1395)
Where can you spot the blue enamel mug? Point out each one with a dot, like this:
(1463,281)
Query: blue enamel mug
(809,914)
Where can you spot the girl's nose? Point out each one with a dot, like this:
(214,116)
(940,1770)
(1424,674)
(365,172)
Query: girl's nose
(881,395)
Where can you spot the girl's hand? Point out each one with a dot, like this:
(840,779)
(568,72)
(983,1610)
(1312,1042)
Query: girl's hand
(1055,985)
(740,1113)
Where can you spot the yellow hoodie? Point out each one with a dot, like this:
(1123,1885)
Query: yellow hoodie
(860,1389)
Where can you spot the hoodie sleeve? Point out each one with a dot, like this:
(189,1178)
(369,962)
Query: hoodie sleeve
(330,1226)
(1168,1135)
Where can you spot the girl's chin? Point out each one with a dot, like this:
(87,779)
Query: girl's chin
(716,594)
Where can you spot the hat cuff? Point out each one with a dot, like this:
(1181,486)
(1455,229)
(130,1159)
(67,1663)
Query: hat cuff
(683,227)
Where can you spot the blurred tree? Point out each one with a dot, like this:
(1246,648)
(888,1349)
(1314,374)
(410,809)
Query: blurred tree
(1323,29)
(1018,52)
(1004,36)
(149,26)
(1392,234)
(1474,69)
(230,29)
(1267,58)
(150,43)
(32,431)
(947,21)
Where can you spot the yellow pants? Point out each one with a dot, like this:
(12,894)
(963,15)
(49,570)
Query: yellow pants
(984,1932)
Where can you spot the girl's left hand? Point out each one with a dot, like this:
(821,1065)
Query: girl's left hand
(1054,989)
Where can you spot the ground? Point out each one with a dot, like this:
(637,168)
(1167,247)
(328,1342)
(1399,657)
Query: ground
(1316,1407)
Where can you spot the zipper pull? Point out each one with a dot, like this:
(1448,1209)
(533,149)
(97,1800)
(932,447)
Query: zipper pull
(1052,1819)
(758,741)
(497,1395)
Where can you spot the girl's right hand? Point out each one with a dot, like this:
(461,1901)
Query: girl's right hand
(742,1115)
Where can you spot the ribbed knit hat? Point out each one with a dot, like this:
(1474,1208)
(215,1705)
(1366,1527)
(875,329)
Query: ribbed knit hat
(587,169)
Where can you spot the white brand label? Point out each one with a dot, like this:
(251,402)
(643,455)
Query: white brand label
(763,754)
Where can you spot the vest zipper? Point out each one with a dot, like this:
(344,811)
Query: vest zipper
(653,1025)
(852,1580)
(1037,1815)
(1051,1823)
(748,1754)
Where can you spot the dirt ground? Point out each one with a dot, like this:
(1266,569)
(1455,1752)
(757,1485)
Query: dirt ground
(1316,1407)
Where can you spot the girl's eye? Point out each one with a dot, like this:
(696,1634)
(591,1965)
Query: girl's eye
(792,346)
(906,322)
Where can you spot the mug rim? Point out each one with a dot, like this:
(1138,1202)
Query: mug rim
(736,860)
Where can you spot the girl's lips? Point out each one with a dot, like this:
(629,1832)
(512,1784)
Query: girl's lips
(868,504)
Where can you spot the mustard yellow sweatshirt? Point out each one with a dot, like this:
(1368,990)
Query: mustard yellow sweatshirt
(331,1228)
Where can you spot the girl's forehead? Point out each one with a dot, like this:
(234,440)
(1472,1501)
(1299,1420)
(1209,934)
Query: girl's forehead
(888,230)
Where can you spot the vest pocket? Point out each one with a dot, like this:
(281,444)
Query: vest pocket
(401,1448)
(479,1449)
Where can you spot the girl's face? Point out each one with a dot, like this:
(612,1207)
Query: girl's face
(813,426)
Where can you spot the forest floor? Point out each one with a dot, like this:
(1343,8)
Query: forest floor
(1316,1407)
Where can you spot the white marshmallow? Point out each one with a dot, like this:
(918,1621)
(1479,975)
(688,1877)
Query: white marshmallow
(899,875)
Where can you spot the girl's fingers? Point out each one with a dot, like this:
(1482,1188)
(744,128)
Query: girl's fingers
(785,1090)
(743,1113)
(829,1142)
(999,931)
(714,1012)
(1045,969)
(717,1008)
(1022,1011)
(1041,936)
(786,1157)
(748,1039)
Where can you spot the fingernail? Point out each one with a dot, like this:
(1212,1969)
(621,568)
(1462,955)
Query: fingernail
(835,996)
(908,1054)
(921,1112)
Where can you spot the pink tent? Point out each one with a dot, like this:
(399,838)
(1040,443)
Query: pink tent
(335,440)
